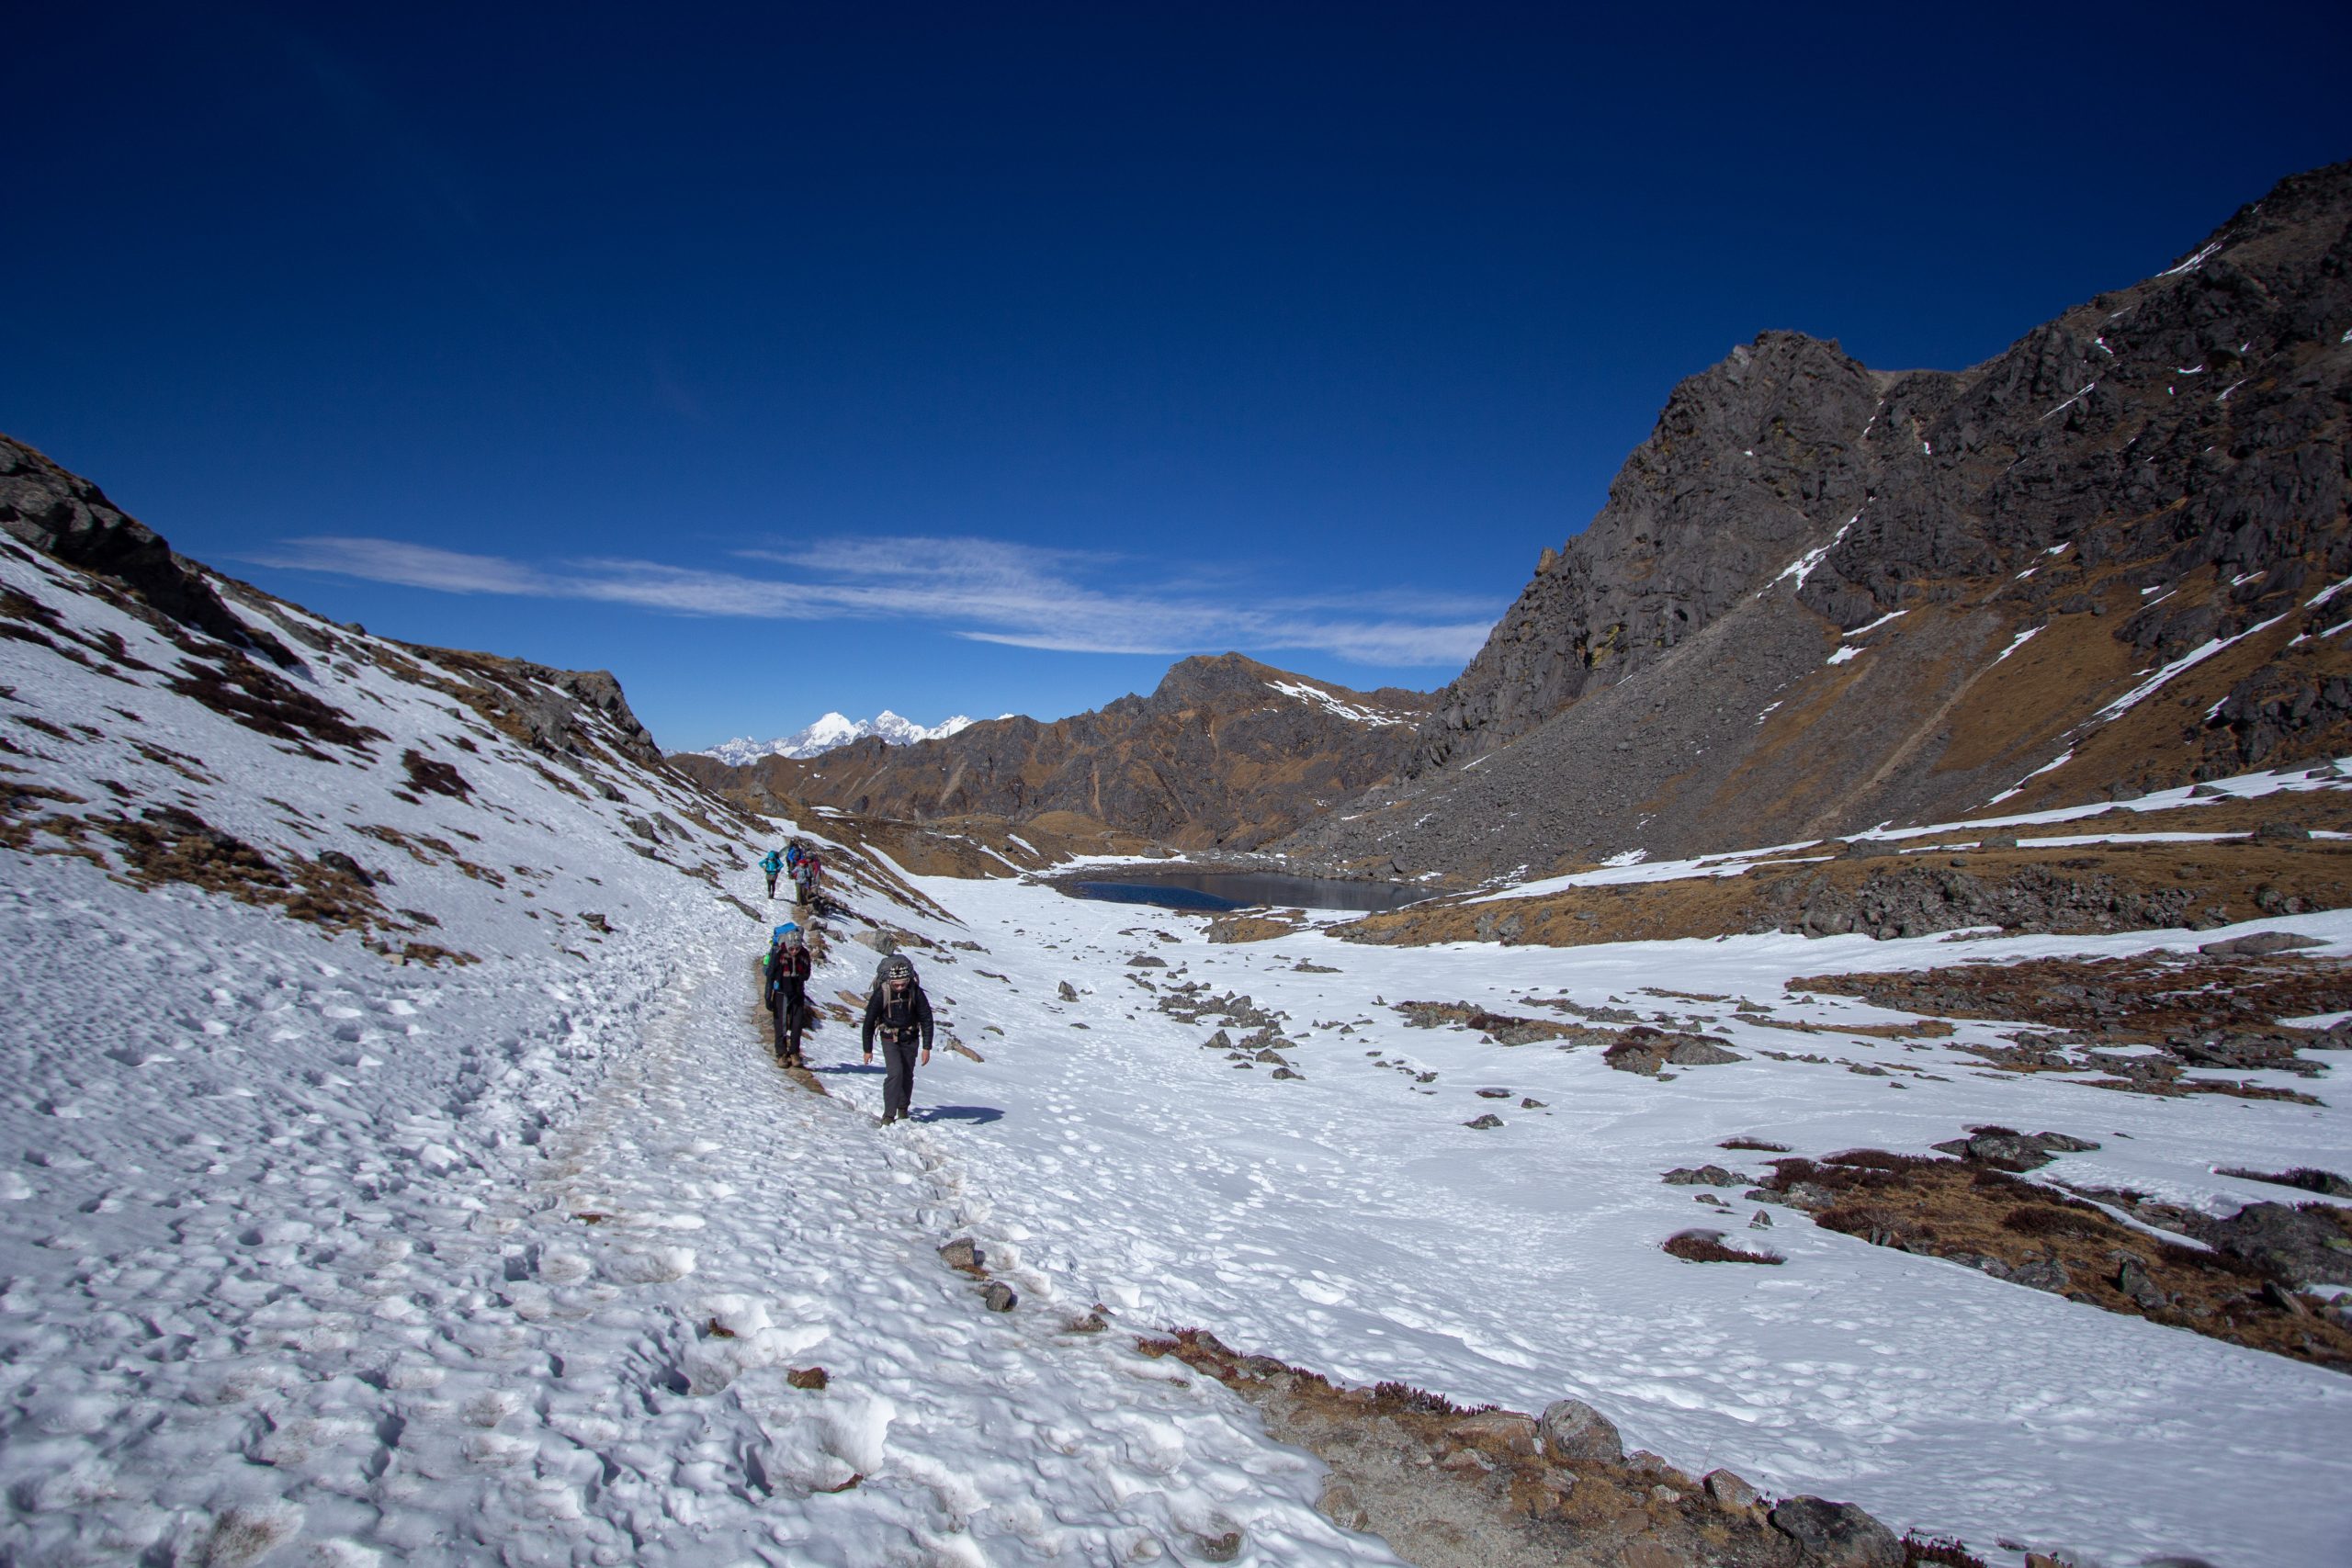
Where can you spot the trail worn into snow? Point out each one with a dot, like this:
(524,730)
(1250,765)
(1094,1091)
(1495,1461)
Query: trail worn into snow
(470,1265)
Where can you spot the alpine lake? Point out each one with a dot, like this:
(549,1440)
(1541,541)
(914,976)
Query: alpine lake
(1214,890)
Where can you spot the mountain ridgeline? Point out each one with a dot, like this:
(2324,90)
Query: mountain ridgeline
(1227,752)
(1822,596)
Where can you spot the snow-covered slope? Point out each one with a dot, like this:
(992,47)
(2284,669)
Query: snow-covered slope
(1350,1221)
(390,1170)
(836,730)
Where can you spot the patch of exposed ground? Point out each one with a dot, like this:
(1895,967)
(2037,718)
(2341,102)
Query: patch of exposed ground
(2145,1020)
(1953,881)
(1969,1212)
(170,844)
(1256,928)
(267,703)
(1486,1488)
(1502,1028)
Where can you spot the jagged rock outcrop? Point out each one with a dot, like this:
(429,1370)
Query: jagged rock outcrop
(568,715)
(1822,597)
(65,516)
(1746,461)
(1225,751)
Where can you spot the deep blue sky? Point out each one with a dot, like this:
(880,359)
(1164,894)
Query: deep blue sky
(980,358)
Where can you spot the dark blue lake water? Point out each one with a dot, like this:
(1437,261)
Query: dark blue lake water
(1181,888)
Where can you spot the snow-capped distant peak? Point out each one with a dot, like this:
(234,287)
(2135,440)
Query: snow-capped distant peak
(835,729)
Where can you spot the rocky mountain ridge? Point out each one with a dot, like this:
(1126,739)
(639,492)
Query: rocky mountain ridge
(285,674)
(1822,596)
(1225,753)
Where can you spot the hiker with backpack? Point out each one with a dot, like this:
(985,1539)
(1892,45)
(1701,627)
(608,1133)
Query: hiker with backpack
(805,877)
(772,863)
(786,992)
(897,1009)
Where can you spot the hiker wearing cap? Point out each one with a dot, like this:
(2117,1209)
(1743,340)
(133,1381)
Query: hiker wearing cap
(897,1011)
(786,992)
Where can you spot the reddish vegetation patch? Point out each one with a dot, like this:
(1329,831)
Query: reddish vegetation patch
(1756,1143)
(2031,1235)
(1707,1246)
(268,703)
(1942,1552)
(433,777)
(2200,1010)
(2148,997)
(18,804)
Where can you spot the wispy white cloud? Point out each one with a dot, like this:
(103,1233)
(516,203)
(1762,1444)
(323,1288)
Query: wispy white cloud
(986,590)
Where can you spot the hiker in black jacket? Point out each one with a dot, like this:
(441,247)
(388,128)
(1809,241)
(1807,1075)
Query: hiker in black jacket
(897,1011)
(788,995)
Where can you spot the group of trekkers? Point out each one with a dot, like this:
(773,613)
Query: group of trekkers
(802,864)
(898,1012)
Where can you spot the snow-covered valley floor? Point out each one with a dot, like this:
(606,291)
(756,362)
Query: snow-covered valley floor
(296,1252)
(307,1254)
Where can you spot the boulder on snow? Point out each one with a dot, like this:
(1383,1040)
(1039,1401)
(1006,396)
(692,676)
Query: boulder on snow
(1575,1432)
(1837,1535)
(2004,1150)
(2259,944)
(1645,1050)
(2295,1246)
(1704,1176)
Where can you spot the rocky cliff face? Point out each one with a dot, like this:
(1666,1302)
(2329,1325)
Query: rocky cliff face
(1226,751)
(1822,596)
(1748,462)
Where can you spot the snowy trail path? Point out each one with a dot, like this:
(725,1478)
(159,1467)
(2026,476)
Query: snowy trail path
(300,1271)
(735,1202)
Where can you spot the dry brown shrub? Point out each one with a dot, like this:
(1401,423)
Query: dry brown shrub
(1707,1246)
(2044,1219)
(1940,1551)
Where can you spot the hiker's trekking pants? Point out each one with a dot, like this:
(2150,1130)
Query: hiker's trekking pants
(791,999)
(771,885)
(897,1076)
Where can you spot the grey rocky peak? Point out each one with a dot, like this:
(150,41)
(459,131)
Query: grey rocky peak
(1821,597)
(1750,465)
